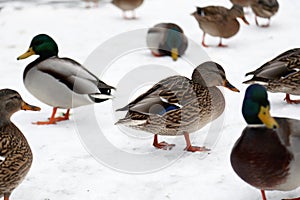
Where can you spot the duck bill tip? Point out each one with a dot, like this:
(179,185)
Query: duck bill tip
(26,106)
(266,118)
(174,54)
(28,53)
(245,20)
(230,86)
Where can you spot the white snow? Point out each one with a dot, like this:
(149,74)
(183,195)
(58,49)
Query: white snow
(63,169)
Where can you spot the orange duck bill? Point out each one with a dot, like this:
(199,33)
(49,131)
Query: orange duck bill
(26,106)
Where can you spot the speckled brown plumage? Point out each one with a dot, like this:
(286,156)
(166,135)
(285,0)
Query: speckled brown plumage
(178,105)
(280,74)
(195,113)
(15,152)
(18,158)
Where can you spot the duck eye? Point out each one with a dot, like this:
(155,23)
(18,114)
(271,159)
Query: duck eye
(37,43)
(14,97)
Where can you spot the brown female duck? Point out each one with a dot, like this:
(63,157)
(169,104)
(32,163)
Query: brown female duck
(128,5)
(219,21)
(15,152)
(264,9)
(280,74)
(267,155)
(178,105)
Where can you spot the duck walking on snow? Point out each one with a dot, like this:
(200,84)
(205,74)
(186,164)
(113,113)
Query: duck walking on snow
(219,21)
(178,105)
(60,82)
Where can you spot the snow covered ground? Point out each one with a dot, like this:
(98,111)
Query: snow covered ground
(63,169)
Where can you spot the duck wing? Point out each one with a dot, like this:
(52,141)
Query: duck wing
(168,94)
(212,14)
(73,75)
(281,66)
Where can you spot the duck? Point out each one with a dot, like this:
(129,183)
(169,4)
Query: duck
(60,82)
(264,9)
(280,74)
(219,21)
(167,39)
(266,155)
(243,3)
(15,152)
(128,5)
(178,105)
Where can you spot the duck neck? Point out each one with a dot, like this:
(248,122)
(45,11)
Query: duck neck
(4,121)
(197,78)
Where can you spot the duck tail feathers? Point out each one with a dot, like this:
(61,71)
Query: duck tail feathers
(130,122)
(256,80)
(99,97)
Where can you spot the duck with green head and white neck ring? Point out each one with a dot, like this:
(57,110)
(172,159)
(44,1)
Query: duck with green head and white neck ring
(60,82)
(267,155)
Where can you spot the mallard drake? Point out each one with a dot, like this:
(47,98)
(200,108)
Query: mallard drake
(219,21)
(128,5)
(15,152)
(266,155)
(280,74)
(60,82)
(167,39)
(178,105)
(264,9)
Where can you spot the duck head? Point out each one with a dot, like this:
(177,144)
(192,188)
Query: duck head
(237,11)
(174,40)
(256,107)
(212,74)
(42,45)
(11,102)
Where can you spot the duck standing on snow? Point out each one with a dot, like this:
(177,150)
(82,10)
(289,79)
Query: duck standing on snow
(267,155)
(128,5)
(219,21)
(15,152)
(280,74)
(60,82)
(178,105)
(264,9)
(167,39)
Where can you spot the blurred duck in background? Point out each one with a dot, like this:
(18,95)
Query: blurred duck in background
(128,5)
(167,39)
(91,3)
(219,21)
(264,9)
